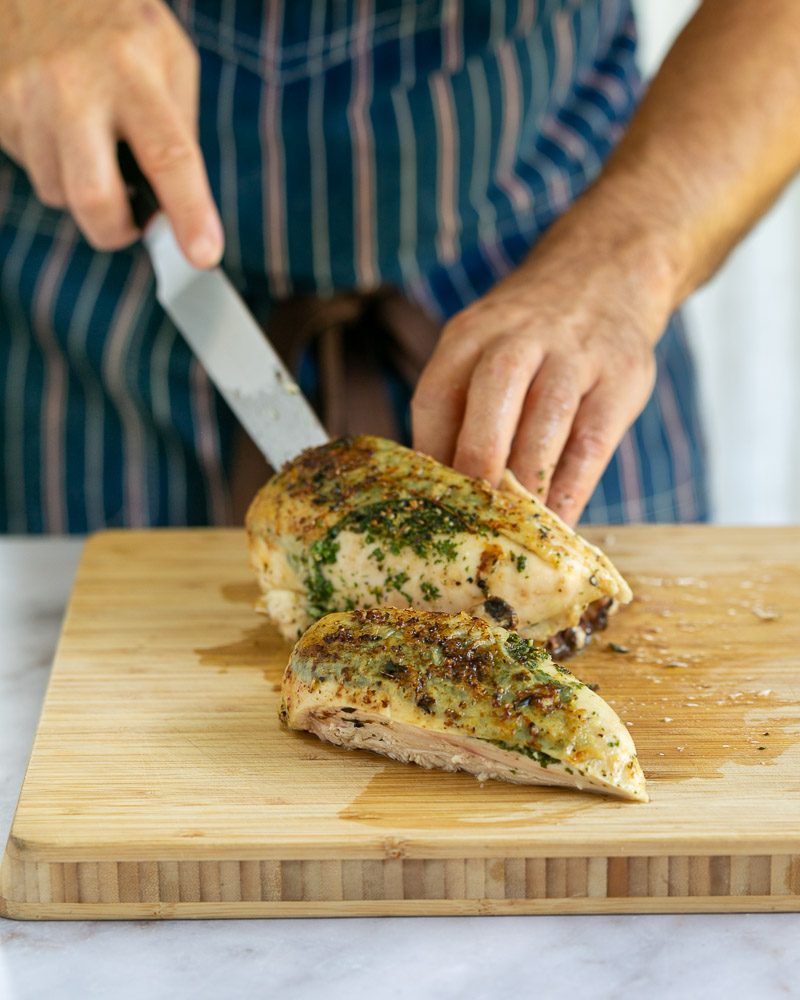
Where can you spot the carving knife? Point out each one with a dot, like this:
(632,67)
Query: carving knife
(223,334)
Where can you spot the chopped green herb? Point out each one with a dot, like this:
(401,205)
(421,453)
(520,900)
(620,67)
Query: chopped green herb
(318,587)
(396,581)
(524,651)
(325,550)
(430,591)
(410,522)
(446,548)
(521,562)
(541,758)
(566,694)
(414,523)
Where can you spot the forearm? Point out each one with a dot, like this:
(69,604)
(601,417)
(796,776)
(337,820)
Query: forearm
(546,372)
(713,143)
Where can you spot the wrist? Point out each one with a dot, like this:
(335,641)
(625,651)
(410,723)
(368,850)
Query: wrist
(618,252)
(627,223)
(653,205)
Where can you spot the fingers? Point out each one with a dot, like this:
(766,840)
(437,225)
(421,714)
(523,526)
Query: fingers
(549,411)
(95,192)
(31,137)
(602,418)
(437,408)
(170,157)
(10,132)
(184,81)
(497,391)
(38,149)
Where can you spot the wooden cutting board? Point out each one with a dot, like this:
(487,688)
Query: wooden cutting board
(160,783)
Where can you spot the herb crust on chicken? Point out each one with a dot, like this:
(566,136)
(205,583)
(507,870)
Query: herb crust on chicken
(363,522)
(453,692)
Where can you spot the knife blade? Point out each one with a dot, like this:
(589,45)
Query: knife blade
(224,336)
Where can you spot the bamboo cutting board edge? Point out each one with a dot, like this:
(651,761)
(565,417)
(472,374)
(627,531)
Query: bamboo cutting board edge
(215,888)
(397,908)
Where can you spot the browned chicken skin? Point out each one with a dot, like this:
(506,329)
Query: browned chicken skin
(363,522)
(453,692)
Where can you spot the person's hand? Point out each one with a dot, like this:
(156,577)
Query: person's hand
(547,371)
(76,76)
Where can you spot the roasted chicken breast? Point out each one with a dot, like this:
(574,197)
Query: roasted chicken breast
(454,692)
(363,522)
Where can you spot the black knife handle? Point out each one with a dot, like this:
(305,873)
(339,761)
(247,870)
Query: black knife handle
(144,203)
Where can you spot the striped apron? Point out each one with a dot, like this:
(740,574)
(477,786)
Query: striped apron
(351,144)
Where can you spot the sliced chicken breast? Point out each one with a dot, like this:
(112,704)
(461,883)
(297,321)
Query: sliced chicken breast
(363,522)
(456,693)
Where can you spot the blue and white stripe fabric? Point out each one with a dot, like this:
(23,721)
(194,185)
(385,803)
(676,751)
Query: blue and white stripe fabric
(350,144)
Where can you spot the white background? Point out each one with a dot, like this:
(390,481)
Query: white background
(745,331)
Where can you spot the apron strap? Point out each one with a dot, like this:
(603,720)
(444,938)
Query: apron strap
(357,339)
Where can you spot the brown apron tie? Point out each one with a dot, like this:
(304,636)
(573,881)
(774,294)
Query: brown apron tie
(356,338)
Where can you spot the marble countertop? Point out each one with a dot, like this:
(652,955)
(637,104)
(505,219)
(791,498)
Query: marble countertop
(709,956)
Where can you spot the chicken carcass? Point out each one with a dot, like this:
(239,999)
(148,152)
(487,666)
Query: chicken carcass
(454,692)
(363,522)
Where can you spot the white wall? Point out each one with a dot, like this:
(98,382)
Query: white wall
(745,331)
